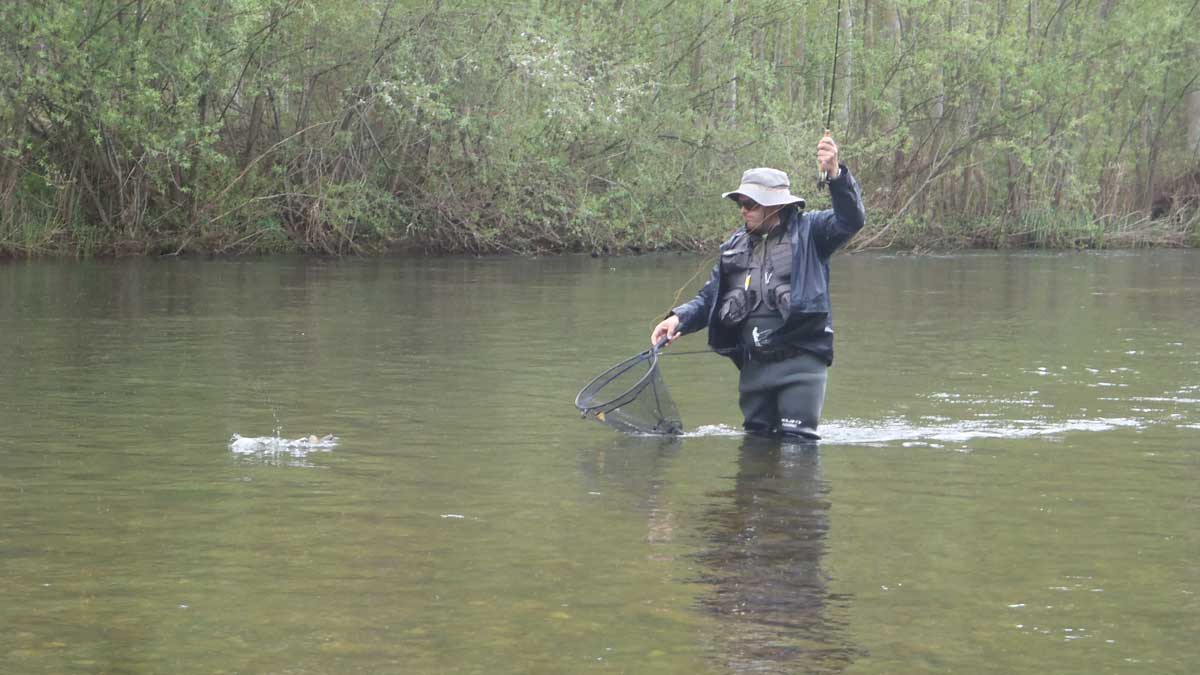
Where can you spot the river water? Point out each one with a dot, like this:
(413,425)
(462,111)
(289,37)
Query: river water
(1008,481)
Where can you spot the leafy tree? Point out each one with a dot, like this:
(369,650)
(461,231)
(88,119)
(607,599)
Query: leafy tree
(140,126)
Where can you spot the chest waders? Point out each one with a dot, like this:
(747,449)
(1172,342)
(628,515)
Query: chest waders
(781,388)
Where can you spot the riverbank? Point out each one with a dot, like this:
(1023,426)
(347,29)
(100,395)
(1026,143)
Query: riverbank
(1029,231)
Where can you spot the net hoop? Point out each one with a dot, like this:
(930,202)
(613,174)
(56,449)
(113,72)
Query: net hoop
(585,399)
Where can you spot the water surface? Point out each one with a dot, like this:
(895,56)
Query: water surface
(1007,481)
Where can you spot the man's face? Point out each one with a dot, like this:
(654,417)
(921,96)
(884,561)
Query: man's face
(758,217)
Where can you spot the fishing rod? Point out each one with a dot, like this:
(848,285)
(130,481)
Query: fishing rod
(823,176)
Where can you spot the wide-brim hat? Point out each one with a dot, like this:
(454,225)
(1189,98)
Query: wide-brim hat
(768,187)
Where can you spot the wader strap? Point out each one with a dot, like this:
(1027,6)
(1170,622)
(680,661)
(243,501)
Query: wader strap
(771,355)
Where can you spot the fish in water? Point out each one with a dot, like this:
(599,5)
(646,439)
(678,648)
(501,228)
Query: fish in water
(248,445)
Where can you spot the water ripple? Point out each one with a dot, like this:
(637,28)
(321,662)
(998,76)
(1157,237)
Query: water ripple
(901,430)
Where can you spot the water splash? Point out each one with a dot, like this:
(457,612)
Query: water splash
(713,430)
(274,446)
(963,430)
(935,430)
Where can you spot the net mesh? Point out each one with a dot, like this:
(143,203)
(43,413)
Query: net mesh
(632,397)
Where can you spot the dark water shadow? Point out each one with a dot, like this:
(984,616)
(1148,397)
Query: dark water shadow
(765,539)
(634,465)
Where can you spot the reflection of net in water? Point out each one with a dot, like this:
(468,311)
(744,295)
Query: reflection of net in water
(632,397)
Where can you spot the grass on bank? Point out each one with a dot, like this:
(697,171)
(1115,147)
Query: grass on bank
(1035,230)
(349,226)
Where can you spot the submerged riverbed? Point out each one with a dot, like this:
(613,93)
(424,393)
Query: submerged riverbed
(1007,481)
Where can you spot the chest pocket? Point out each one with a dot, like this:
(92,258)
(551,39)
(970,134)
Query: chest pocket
(738,260)
(737,264)
(780,254)
(777,293)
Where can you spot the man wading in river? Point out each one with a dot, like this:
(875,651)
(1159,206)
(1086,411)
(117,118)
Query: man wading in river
(766,304)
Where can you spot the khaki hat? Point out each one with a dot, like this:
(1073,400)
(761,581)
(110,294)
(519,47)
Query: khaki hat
(769,187)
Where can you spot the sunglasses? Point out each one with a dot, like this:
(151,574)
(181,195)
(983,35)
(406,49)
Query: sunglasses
(748,204)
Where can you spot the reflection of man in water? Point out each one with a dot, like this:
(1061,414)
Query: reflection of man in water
(763,561)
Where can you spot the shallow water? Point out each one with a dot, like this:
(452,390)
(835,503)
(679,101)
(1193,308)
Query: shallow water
(1007,481)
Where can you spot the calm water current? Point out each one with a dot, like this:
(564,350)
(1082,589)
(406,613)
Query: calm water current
(1009,481)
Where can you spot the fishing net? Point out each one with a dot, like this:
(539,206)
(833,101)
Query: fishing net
(632,397)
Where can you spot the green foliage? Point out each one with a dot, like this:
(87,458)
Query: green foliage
(339,126)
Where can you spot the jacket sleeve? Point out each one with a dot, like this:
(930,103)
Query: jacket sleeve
(832,228)
(693,314)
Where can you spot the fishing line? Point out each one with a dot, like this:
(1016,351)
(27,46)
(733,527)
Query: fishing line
(681,289)
(823,177)
(725,351)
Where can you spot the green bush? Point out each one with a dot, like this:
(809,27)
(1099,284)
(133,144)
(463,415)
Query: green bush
(339,126)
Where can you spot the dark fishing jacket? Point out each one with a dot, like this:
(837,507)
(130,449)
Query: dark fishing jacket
(814,236)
